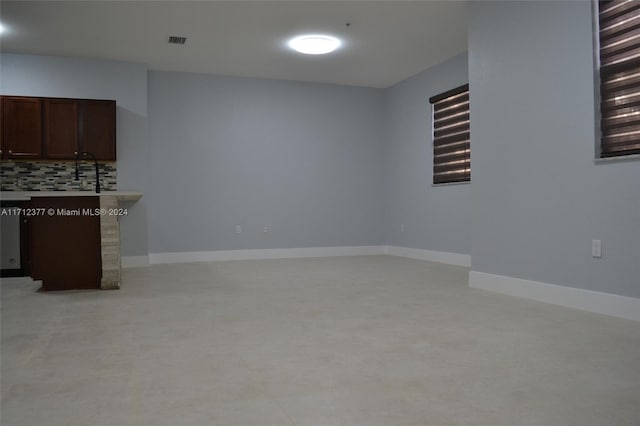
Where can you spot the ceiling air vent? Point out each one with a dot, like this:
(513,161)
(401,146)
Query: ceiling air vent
(177,40)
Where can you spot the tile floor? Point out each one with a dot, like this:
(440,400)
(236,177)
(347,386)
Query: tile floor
(372,340)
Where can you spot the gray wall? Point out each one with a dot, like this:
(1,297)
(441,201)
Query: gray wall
(538,197)
(329,165)
(434,217)
(302,159)
(30,75)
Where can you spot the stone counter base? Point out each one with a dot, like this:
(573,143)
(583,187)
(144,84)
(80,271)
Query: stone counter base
(110,244)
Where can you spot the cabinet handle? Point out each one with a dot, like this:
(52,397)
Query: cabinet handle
(75,152)
(10,152)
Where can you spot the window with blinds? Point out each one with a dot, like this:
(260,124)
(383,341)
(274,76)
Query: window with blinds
(451,142)
(619,35)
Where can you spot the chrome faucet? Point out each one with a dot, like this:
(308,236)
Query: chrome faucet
(95,161)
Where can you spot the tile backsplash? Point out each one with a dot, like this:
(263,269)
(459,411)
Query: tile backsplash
(55,176)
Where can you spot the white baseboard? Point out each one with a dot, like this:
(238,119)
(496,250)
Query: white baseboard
(289,253)
(587,300)
(430,255)
(134,261)
(292,253)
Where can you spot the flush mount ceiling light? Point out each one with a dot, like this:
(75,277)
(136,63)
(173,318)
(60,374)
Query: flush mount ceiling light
(314,44)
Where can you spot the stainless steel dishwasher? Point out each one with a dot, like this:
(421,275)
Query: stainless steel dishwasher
(10,261)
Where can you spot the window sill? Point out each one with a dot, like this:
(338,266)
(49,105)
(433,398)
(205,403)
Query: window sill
(435,185)
(621,158)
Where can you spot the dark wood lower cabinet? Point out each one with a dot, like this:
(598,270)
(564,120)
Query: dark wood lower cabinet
(65,246)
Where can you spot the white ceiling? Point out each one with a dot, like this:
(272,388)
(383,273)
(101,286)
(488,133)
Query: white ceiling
(386,42)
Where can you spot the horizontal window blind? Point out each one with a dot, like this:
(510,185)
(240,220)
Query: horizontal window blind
(619,32)
(451,142)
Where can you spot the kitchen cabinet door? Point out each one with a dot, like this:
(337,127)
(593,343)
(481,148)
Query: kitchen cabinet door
(61,128)
(99,129)
(65,249)
(21,127)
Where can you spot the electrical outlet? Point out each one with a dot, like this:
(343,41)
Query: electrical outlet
(265,229)
(238,229)
(402,227)
(596,248)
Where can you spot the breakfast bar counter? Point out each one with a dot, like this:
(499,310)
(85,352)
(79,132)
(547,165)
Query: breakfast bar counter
(73,236)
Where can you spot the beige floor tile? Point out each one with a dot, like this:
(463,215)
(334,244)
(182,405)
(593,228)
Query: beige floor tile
(372,340)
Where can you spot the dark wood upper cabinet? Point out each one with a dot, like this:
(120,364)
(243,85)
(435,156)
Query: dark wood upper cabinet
(99,129)
(21,127)
(62,128)
(57,128)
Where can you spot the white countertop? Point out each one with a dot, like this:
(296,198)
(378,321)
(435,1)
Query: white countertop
(27,195)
